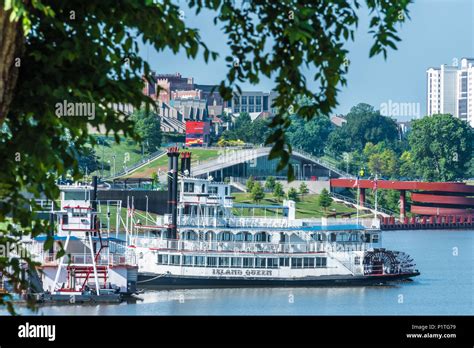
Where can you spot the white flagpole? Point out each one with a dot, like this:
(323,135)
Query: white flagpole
(358,198)
(376,191)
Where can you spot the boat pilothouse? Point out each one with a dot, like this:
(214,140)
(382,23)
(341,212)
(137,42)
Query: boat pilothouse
(201,243)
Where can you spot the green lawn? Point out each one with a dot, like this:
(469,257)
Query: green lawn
(308,207)
(126,153)
(162,162)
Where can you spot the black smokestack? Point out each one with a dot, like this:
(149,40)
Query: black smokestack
(173,154)
(183,163)
(188,163)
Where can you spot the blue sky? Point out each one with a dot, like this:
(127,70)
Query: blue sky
(438,32)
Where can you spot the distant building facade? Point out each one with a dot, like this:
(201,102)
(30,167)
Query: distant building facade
(338,120)
(191,109)
(450,90)
(254,103)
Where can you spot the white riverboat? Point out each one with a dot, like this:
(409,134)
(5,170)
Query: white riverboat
(200,244)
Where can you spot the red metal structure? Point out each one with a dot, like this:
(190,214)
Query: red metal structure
(451,200)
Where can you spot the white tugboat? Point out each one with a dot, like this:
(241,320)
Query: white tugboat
(96,266)
(200,244)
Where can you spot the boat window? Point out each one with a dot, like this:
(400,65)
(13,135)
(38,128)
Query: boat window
(199,261)
(260,262)
(375,238)
(357,260)
(296,262)
(226,191)
(65,219)
(188,187)
(321,262)
(284,261)
(212,190)
(211,261)
(236,262)
(203,188)
(226,236)
(272,263)
(223,262)
(188,260)
(163,259)
(247,262)
(308,262)
(174,259)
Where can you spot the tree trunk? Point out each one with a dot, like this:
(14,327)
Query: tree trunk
(11,46)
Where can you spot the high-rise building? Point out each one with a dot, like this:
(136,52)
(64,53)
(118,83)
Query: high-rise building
(450,90)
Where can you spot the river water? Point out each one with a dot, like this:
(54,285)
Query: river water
(445,287)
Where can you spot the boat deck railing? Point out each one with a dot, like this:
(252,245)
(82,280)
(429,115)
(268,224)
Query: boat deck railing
(210,221)
(250,247)
(81,259)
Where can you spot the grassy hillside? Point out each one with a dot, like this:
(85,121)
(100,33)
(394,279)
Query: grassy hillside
(126,153)
(198,154)
(308,207)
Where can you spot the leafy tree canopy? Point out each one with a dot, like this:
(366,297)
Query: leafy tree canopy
(147,125)
(441,147)
(324,199)
(257,193)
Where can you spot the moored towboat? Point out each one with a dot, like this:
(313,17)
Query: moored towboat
(95,265)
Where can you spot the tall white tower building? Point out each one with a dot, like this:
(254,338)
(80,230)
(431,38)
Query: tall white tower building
(450,90)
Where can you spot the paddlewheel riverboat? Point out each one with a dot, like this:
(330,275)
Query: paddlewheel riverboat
(200,243)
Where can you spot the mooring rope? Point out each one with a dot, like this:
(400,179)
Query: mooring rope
(158,276)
